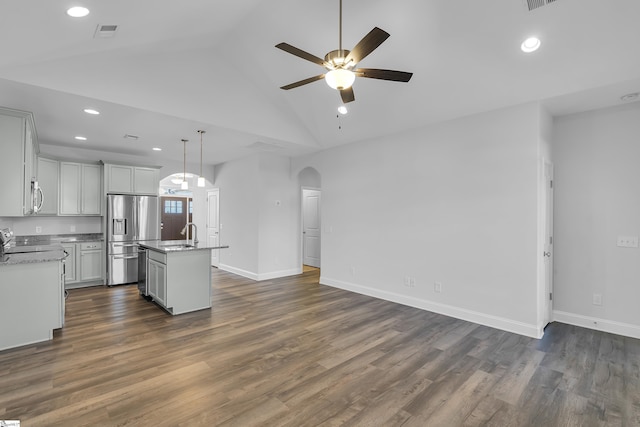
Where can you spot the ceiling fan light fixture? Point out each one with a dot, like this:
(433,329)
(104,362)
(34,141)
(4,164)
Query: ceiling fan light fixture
(340,79)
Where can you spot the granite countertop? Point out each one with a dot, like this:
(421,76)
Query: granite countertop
(168,246)
(13,256)
(40,239)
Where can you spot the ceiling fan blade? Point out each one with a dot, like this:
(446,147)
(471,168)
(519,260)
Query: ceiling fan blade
(367,45)
(347,95)
(301,53)
(373,73)
(303,82)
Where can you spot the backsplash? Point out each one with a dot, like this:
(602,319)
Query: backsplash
(52,225)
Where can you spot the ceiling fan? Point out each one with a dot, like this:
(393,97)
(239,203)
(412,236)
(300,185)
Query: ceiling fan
(341,64)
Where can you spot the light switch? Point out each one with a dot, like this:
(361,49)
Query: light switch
(627,241)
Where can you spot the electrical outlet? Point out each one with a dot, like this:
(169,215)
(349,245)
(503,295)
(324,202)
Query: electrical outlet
(437,287)
(38,229)
(72,228)
(597,299)
(353,271)
(627,241)
(410,282)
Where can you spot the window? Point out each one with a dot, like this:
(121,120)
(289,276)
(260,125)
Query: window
(190,206)
(173,206)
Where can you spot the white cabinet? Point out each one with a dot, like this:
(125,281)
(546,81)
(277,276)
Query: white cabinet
(48,179)
(19,149)
(124,179)
(180,281)
(31,302)
(84,264)
(70,263)
(80,189)
(157,277)
(91,256)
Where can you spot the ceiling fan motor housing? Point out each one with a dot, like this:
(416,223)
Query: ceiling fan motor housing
(337,57)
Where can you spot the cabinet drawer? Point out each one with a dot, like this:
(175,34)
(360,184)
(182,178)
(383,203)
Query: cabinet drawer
(90,245)
(157,256)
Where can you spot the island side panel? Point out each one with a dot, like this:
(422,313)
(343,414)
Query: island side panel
(188,280)
(29,303)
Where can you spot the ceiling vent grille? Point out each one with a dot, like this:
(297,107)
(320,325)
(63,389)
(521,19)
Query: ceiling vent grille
(105,31)
(534,4)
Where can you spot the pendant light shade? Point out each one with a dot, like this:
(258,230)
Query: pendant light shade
(201,178)
(185,184)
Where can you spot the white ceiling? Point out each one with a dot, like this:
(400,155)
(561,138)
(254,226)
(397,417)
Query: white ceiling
(175,67)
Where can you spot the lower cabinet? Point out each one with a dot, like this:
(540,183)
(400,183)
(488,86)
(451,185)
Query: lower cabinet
(180,281)
(157,277)
(84,264)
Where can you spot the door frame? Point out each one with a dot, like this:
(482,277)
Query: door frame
(547,243)
(302,190)
(215,253)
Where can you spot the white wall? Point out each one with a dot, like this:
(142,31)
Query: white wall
(279,215)
(238,182)
(597,199)
(454,203)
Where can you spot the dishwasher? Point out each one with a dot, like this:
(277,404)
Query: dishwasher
(142,273)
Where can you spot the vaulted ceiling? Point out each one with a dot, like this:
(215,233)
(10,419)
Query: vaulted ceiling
(175,67)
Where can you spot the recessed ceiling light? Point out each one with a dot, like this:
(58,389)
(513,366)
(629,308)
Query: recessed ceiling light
(630,96)
(342,109)
(91,111)
(157,149)
(81,138)
(77,12)
(530,45)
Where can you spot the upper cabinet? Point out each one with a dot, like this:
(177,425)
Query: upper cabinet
(48,181)
(80,189)
(124,179)
(19,150)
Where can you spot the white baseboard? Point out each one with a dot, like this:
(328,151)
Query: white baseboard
(597,324)
(238,271)
(260,277)
(447,310)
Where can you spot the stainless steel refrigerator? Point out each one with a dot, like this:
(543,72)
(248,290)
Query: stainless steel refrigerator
(130,219)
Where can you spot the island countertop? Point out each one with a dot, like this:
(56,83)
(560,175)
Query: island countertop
(169,246)
(17,254)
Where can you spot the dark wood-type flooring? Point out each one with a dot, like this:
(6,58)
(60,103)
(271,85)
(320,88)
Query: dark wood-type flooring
(291,352)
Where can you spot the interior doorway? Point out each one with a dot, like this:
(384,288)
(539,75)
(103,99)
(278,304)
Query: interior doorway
(176,212)
(311,227)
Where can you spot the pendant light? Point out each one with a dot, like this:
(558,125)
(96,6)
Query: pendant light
(201,178)
(185,184)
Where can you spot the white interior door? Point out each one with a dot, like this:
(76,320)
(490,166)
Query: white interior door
(548,245)
(213,224)
(311,227)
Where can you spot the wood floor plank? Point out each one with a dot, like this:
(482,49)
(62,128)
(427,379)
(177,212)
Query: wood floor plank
(290,352)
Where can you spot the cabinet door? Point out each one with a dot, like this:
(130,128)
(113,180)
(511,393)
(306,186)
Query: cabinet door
(70,263)
(157,281)
(146,180)
(119,179)
(91,189)
(70,181)
(90,265)
(48,180)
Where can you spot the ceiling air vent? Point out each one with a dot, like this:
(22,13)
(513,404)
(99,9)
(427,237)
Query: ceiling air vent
(105,31)
(534,4)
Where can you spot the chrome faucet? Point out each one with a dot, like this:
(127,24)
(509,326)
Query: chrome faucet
(195,232)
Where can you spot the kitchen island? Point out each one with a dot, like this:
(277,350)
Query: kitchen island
(178,275)
(31,296)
